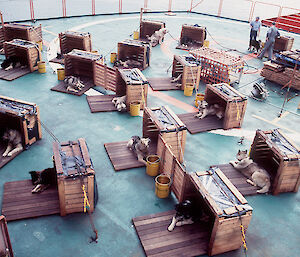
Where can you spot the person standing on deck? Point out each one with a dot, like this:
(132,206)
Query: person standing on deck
(255,29)
(272,34)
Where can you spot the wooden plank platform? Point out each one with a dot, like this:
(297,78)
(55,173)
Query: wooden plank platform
(61,87)
(195,125)
(238,179)
(101,103)
(188,240)
(162,84)
(13,73)
(122,158)
(19,203)
(57,60)
(5,160)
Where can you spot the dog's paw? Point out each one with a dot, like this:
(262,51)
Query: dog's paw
(232,163)
(4,155)
(9,154)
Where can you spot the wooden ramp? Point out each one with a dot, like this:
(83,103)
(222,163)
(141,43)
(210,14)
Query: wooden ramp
(195,125)
(5,160)
(122,158)
(101,103)
(19,203)
(61,87)
(13,73)
(188,240)
(57,60)
(238,179)
(162,84)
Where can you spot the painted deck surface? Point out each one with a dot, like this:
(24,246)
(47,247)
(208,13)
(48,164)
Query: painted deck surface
(130,193)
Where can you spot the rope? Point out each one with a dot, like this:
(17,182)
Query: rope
(173,37)
(48,131)
(238,116)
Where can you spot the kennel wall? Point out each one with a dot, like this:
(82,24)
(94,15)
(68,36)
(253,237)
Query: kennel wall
(192,32)
(218,66)
(2,39)
(274,151)
(190,69)
(5,245)
(135,50)
(148,27)
(70,40)
(23,31)
(234,103)
(226,207)
(27,51)
(163,121)
(74,169)
(283,43)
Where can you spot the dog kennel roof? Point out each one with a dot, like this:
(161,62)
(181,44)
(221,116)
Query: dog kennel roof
(189,60)
(77,33)
(85,54)
(23,43)
(12,106)
(133,76)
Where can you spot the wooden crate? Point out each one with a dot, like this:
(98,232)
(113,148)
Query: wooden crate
(135,50)
(70,40)
(5,245)
(219,199)
(173,131)
(282,164)
(218,66)
(2,39)
(283,43)
(233,102)
(22,116)
(190,69)
(25,50)
(70,180)
(148,27)
(192,33)
(23,31)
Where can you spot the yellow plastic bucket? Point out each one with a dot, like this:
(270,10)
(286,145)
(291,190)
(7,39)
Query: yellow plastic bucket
(162,186)
(136,35)
(199,97)
(113,57)
(42,67)
(206,43)
(40,43)
(94,51)
(135,108)
(152,165)
(60,73)
(188,90)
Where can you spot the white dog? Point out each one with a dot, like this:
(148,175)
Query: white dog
(131,64)
(157,37)
(256,175)
(14,139)
(120,103)
(206,109)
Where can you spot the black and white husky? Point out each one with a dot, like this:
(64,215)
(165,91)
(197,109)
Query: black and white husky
(42,179)
(14,142)
(206,109)
(73,84)
(12,62)
(140,147)
(120,103)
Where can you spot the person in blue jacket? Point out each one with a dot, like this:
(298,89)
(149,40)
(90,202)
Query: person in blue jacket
(255,29)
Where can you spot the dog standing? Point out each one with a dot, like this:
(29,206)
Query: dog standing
(14,142)
(12,62)
(73,84)
(140,147)
(256,175)
(157,37)
(43,179)
(120,103)
(255,45)
(206,109)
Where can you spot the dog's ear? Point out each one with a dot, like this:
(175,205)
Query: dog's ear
(239,151)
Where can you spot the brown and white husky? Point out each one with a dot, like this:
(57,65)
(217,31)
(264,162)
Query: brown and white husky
(14,142)
(206,109)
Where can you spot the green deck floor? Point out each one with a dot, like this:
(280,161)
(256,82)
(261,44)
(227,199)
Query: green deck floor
(274,229)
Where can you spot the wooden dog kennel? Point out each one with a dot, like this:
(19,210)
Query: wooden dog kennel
(5,245)
(27,51)
(163,121)
(218,66)
(22,116)
(283,43)
(23,31)
(274,151)
(70,40)
(148,27)
(74,170)
(135,50)
(2,40)
(192,36)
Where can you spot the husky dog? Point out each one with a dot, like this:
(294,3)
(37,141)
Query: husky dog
(14,139)
(130,63)
(255,45)
(157,37)
(186,213)
(140,147)
(12,62)
(256,175)
(4,252)
(42,179)
(177,79)
(120,103)
(73,84)
(206,109)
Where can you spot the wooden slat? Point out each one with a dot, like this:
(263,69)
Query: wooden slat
(162,84)
(7,159)
(13,73)
(101,103)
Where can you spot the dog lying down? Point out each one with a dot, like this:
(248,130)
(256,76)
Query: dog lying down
(13,62)
(257,176)
(206,109)
(130,63)
(43,179)
(73,84)
(157,37)
(120,103)
(14,142)
(140,147)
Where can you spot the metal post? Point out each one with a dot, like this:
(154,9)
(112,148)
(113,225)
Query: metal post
(145,4)
(170,6)
(191,5)
(220,7)
(31,10)
(64,9)
(120,6)
(93,7)
(251,12)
